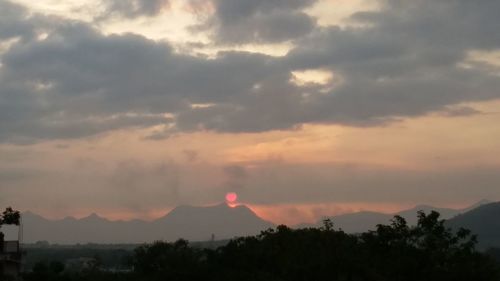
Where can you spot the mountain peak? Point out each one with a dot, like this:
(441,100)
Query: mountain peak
(93,217)
(477,204)
(30,215)
(223,207)
(423,207)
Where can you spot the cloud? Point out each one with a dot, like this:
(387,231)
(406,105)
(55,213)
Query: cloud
(79,82)
(134,8)
(259,21)
(12,21)
(406,60)
(460,111)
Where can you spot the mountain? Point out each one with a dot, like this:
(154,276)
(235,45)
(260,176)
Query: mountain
(91,229)
(353,222)
(411,215)
(199,223)
(221,221)
(482,221)
(478,204)
(360,221)
(364,221)
(192,223)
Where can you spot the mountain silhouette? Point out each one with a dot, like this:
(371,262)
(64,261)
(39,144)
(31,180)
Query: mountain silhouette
(411,215)
(363,221)
(187,222)
(224,222)
(200,223)
(482,221)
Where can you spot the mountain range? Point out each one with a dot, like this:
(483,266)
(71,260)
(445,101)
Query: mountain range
(363,221)
(223,222)
(187,222)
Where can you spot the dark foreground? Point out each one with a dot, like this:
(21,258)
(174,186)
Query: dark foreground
(426,252)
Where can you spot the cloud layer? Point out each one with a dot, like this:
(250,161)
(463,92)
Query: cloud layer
(240,21)
(133,8)
(66,79)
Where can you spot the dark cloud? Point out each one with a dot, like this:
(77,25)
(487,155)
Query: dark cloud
(134,8)
(405,62)
(78,82)
(72,84)
(12,21)
(457,111)
(272,21)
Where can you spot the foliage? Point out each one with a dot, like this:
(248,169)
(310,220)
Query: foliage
(176,261)
(495,253)
(108,257)
(9,216)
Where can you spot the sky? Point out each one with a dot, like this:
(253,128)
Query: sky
(303,108)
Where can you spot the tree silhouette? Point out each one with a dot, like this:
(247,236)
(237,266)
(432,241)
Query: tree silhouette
(9,216)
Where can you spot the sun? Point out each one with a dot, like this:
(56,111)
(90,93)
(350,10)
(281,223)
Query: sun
(231,198)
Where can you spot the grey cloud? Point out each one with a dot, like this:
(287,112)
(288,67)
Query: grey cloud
(275,104)
(12,21)
(133,8)
(460,111)
(405,63)
(455,24)
(79,82)
(240,21)
(74,83)
(233,10)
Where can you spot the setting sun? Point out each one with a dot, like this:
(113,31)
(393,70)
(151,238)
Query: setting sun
(231,197)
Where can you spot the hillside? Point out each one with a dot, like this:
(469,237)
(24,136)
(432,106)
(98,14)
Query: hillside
(364,221)
(483,221)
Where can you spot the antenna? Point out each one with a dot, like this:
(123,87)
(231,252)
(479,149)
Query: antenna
(20,231)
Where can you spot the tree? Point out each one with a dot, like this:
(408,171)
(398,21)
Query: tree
(9,216)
